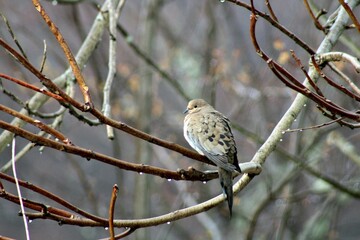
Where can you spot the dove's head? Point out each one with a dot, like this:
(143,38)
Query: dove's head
(197,105)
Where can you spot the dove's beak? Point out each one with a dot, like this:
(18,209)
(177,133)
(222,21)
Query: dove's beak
(186,111)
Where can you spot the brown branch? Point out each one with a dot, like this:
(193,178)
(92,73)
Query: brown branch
(45,211)
(277,25)
(312,83)
(290,81)
(32,87)
(74,66)
(37,124)
(315,19)
(326,103)
(127,232)
(315,126)
(111,211)
(351,14)
(334,117)
(119,125)
(64,217)
(44,80)
(332,82)
(89,154)
(149,138)
(272,14)
(55,198)
(153,221)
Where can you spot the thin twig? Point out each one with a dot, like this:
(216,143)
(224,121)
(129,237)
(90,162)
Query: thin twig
(315,19)
(351,14)
(56,199)
(315,126)
(32,87)
(111,211)
(74,66)
(341,122)
(277,25)
(44,80)
(127,232)
(37,123)
(13,36)
(272,14)
(345,78)
(332,82)
(312,83)
(10,94)
(43,60)
(39,114)
(289,80)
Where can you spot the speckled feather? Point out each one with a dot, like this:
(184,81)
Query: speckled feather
(209,133)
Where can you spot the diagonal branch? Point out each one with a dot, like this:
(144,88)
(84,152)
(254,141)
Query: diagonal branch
(74,66)
(351,14)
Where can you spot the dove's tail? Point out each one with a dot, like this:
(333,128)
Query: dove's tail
(226,184)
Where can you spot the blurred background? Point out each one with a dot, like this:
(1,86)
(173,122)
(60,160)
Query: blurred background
(204,46)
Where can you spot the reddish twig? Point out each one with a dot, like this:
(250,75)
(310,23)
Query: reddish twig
(292,82)
(39,207)
(37,124)
(111,211)
(13,35)
(272,14)
(127,232)
(351,14)
(277,25)
(32,87)
(74,66)
(44,80)
(341,122)
(332,82)
(312,83)
(55,198)
(315,19)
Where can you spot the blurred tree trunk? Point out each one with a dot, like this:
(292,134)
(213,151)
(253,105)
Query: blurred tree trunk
(145,100)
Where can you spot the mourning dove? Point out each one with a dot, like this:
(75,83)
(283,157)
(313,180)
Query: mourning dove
(208,132)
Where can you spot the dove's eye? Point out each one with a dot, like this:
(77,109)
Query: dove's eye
(195,106)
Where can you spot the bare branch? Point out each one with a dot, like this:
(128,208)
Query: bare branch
(111,211)
(351,14)
(315,19)
(114,13)
(76,70)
